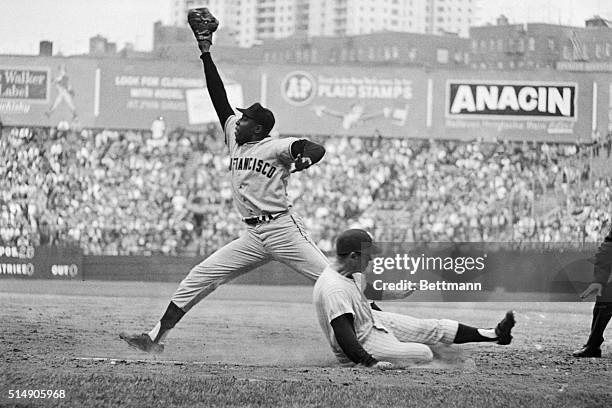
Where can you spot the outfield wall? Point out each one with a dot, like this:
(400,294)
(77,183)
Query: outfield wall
(174,269)
(70,263)
(507,270)
(41,263)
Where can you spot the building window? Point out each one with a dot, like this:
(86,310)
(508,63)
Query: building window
(442,56)
(500,45)
(412,54)
(531,44)
(551,44)
(607,49)
(343,54)
(598,51)
(566,53)
(371,54)
(474,45)
(360,54)
(387,53)
(521,45)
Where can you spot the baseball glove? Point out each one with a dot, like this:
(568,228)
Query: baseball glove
(202,23)
(301,163)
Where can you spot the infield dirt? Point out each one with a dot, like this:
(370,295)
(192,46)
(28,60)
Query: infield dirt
(261,346)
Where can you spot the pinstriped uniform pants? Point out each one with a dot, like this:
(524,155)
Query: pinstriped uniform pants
(404,339)
(283,239)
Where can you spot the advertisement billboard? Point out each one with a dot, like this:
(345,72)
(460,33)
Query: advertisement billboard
(532,105)
(347,100)
(44,91)
(134,93)
(407,102)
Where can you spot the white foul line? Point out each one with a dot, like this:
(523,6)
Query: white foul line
(132,361)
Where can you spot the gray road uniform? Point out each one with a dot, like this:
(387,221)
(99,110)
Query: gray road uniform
(259,167)
(259,174)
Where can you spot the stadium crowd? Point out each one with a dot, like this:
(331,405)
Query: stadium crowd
(114,193)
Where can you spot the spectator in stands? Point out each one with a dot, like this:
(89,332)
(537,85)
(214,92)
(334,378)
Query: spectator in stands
(111,194)
(158,133)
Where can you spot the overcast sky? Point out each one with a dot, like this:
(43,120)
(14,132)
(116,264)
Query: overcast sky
(70,23)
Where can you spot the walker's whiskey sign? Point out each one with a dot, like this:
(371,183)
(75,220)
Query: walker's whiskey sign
(26,84)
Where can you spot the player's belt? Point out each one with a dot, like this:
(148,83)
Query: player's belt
(260,219)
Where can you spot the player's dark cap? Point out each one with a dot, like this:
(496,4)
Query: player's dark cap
(356,240)
(261,115)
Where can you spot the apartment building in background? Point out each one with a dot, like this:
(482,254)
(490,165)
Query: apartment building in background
(250,22)
(179,8)
(509,46)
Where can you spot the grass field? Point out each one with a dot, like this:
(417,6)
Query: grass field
(261,346)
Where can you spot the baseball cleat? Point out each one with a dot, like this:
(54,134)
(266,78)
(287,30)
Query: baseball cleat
(587,351)
(142,342)
(504,329)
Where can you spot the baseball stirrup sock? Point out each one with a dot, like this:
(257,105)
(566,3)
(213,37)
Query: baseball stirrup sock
(467,334)
(170,318)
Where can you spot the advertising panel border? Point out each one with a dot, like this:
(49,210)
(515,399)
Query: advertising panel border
(518,117)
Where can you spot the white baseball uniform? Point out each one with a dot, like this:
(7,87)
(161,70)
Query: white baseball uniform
(259,174)
(392,337)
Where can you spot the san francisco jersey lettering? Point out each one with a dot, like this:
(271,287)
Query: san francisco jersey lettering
(259,172)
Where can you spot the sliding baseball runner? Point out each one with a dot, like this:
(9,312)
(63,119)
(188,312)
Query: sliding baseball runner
(359,335)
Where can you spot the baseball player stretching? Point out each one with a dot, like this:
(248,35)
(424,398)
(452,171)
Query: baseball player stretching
(259,169)
(359,335)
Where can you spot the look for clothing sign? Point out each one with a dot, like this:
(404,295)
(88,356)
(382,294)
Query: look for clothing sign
(200,108)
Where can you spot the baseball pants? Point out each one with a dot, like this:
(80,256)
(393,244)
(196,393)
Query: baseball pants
(283,239)
(602,313)
(406,338)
